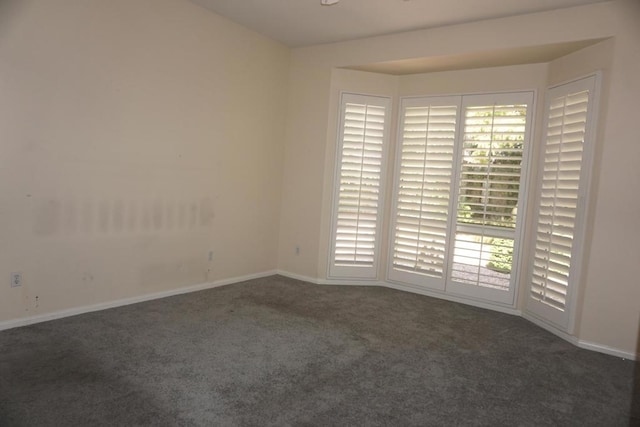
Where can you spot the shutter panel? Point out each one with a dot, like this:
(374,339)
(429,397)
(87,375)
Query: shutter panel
(488,194)
(422,191)
(559,199)
(362,144)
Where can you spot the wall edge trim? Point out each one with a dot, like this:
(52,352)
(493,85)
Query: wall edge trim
(30,320)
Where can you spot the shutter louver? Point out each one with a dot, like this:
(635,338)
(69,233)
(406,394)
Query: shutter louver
(558,203)
(357,204)
(423,191)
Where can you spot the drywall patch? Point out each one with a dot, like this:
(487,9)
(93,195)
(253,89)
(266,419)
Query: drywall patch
(206,212)
(182,215)
(157,214)
(103,216)
(47,218)
(87,216)
(132,216)
(193,215)
(170,215)
(70,216)
(118,216)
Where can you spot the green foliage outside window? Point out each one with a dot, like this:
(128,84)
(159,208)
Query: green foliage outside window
(501,258)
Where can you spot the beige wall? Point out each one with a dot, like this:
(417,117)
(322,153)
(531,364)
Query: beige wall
(611,300)
(301,216)
(610,291)
(136,136)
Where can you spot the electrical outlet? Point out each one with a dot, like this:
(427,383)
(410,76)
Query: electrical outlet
(210,255)
(16,280)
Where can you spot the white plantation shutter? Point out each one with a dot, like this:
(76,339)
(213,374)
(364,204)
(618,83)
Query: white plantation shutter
(560,199)
(357,201)
(493,148)
(422,192)
(456,190)
(492,157)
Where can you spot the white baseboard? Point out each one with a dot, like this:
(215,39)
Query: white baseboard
(400,287)
(416,290)
(334,282)
(298,277)
(452,298)
(338,282)
(550,328)
(600,348)
(612,351)
(24,321)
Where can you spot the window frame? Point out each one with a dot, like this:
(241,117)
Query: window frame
(444,284)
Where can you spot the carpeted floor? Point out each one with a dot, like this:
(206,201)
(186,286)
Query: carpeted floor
(280,352)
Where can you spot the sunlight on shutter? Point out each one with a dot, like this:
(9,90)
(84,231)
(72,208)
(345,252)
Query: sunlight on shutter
(488,193)
(558,203)
(359,184)
(357,204)
(426,163)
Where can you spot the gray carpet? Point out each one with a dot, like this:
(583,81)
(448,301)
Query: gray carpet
(281,352)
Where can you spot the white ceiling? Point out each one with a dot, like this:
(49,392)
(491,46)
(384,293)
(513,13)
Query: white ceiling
(299,23)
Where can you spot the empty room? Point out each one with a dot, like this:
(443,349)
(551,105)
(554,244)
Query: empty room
(319,212)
